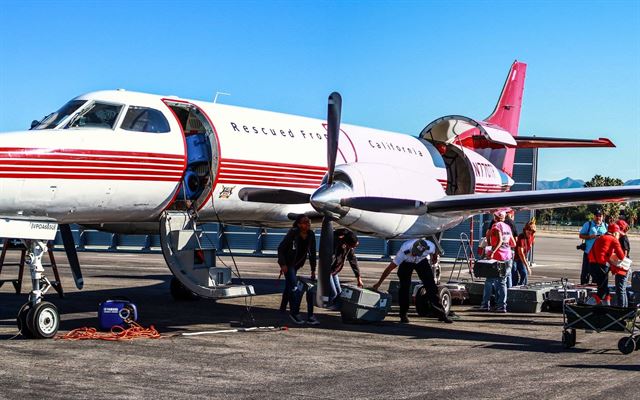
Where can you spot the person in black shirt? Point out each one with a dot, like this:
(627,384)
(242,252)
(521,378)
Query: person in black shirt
(621,277)
(344,242)
(299,242)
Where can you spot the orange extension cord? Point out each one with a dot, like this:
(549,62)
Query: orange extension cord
(117,333)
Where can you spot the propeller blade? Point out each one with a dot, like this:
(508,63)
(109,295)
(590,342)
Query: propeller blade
(386,204)
(333,132)
(278,196)
(323,292)
(72,255)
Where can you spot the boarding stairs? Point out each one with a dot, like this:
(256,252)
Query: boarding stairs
(192,258)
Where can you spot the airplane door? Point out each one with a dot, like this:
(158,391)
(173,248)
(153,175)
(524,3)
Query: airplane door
(202,148)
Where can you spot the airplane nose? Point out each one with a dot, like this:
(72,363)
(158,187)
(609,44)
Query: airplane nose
(326,199)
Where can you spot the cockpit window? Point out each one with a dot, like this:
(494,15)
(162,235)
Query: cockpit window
(53,119)
(98,115)
(143,119)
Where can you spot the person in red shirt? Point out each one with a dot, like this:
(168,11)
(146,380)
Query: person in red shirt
(603,248)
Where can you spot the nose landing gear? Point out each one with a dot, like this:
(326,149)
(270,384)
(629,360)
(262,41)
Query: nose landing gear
(38,319)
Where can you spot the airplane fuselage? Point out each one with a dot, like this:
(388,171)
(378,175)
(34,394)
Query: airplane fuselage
(103,166)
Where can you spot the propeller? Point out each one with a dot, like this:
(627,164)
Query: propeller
(279,196)
(386,204)
(72,255)
(319,202)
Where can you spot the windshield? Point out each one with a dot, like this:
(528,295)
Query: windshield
(53,119)
(98,115)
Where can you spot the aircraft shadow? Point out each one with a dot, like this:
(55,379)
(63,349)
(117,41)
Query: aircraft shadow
(615,367)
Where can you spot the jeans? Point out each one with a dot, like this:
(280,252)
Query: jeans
(600,275)
(519,274)
(500,284)
(585,274)
(294,291)
(621,291)
(334,287)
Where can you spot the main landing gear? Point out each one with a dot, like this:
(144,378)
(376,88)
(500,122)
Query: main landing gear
(38,319)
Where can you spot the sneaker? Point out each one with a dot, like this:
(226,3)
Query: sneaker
(404,319)
(296,319)
(312,320)
(481,308)
(501,310)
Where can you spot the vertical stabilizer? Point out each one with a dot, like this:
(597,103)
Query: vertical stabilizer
(507,112)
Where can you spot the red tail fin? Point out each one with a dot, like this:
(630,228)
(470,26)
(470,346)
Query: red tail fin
(507,112)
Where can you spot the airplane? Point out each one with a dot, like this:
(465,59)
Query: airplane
(132,162)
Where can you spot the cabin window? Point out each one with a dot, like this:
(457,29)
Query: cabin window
(98,115)
(143,119)
(53,119)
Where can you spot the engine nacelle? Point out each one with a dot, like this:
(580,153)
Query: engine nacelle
(379,180)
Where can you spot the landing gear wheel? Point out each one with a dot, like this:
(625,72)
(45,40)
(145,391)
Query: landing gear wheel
(423,307)
(180,293)
(43,320)
(626,345)
(22,321)
(569,338)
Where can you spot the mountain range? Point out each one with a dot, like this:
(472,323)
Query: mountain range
(568,183)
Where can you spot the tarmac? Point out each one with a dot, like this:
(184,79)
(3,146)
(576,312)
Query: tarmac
(481,355)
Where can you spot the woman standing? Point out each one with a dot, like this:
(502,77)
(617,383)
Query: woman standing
(299,242)
(620,273)
(524,242)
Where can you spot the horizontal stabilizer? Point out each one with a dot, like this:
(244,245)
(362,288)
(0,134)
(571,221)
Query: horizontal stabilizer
(526,142)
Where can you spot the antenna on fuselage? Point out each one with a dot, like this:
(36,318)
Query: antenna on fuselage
(215,99)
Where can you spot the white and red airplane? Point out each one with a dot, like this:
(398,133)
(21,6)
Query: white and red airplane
(132,162)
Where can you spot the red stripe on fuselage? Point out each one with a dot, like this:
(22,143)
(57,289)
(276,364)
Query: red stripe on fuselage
(84,177)
(310,168)
(105,153)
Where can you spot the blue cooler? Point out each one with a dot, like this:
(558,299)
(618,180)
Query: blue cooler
(115,312)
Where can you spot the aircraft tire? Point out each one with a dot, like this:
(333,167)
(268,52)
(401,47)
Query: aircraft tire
(43,320)
(22,321)
(180,293)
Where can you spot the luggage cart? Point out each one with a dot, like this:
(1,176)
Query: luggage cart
(599,318)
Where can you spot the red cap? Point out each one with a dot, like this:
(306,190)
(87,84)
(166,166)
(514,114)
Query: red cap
(623,225)
(613,228)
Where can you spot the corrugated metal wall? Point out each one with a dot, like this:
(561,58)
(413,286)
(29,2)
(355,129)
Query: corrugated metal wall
(263,242)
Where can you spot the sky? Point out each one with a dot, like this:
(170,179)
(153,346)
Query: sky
(398,64)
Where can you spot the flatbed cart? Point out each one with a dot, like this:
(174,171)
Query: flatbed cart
(599,318)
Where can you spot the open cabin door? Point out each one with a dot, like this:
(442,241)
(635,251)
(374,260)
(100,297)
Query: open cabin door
(201,146)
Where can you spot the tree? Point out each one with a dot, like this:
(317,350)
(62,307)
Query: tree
(632,211)
(611,210)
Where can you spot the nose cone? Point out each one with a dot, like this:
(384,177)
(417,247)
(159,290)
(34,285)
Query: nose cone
(326,199)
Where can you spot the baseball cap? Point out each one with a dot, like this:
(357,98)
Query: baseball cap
(613,228)
(500,214)
(419,246)
(623,225)
(598,212)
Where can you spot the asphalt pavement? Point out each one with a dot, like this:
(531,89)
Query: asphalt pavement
(481,355)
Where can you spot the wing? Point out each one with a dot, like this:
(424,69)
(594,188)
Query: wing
(481,203)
